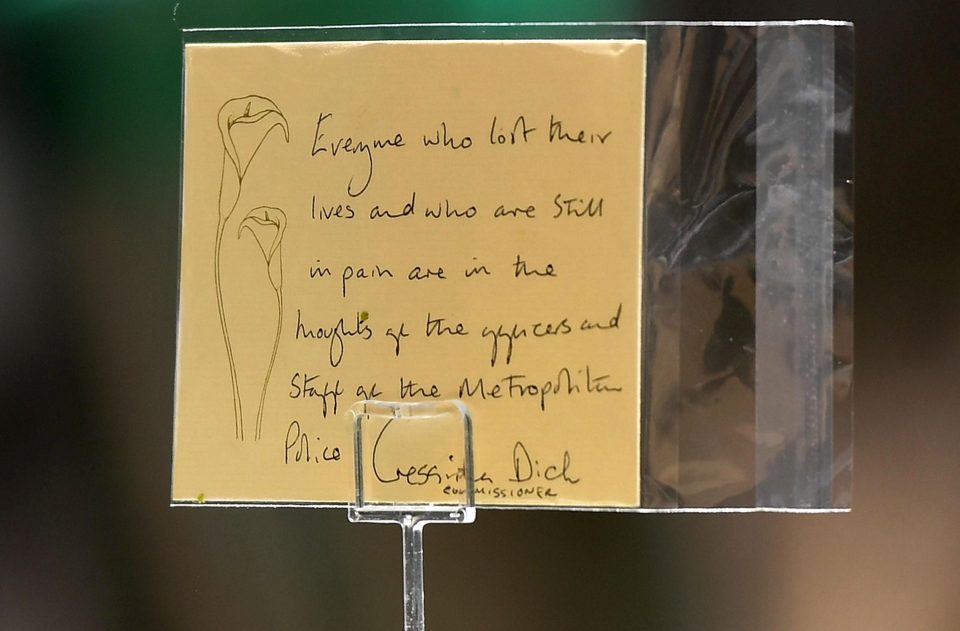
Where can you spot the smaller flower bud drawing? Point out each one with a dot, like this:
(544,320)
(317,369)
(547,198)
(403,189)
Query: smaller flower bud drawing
(267,224)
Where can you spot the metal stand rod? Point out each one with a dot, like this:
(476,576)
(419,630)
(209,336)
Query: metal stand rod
(413,615)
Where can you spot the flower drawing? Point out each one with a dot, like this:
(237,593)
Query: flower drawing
(267,224)
(245,124)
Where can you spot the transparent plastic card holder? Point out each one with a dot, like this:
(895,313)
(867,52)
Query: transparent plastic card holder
(414,466)
(743,319)
(417,457)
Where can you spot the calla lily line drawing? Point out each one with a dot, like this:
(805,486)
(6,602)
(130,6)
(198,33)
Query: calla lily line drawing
(261,222)
(244,124)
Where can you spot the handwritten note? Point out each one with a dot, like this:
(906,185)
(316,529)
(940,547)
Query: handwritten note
(411,221)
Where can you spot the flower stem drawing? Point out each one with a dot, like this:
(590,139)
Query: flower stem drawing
(258,222)
(256,116)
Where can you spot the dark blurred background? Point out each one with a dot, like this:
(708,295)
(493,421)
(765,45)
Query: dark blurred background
(89,177)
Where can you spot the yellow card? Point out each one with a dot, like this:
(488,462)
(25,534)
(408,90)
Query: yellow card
(411,221)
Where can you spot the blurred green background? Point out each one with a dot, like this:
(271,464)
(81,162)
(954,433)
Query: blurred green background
(89,176)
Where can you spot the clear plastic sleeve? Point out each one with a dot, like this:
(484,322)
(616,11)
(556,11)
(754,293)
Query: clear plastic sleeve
(748,253)
(749,260)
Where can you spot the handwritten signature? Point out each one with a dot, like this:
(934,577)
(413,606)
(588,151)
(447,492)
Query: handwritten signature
(526,468)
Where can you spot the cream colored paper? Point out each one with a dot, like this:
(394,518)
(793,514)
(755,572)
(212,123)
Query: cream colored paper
(406,221)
